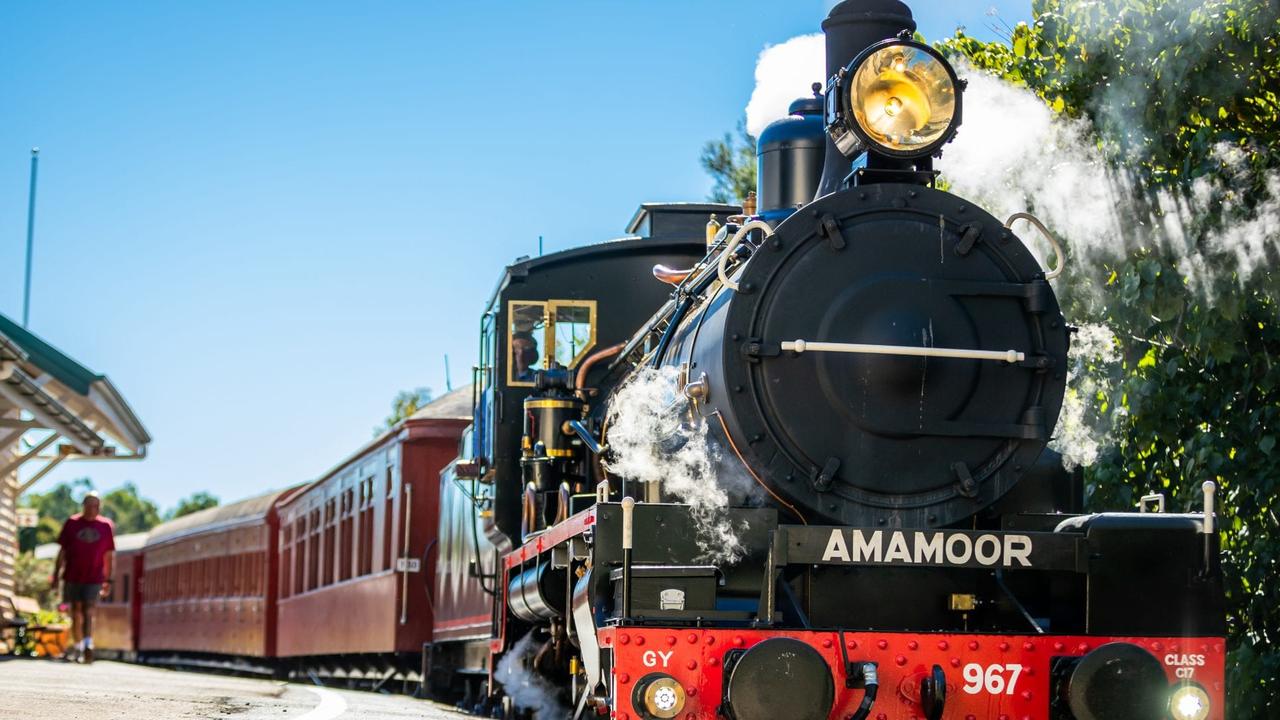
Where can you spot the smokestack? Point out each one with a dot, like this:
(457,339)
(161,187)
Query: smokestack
(854,26)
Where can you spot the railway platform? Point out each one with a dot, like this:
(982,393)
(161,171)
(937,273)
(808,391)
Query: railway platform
(47,690)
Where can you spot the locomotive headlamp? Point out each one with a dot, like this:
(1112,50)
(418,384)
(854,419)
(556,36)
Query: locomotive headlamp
(1189,702)
(898,97)
(1118,681)
(661,696)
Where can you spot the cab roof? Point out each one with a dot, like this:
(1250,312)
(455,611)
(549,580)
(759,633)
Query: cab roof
(673,223)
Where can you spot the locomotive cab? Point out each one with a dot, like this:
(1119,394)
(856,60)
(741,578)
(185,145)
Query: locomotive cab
(545,320)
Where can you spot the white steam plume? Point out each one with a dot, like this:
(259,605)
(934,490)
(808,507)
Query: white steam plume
(527,689)
(1013,153)
(785,72)
(1092,362)
(652,439)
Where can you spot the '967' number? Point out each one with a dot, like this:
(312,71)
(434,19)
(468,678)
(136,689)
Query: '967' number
(994,679)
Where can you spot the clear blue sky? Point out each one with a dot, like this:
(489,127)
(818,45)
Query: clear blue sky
(263,219)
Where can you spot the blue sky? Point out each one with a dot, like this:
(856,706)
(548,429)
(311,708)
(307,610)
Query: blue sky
(263,219)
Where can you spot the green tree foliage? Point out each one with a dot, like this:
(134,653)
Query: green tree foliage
(406,403)
(1166,84)
(130,511)
(731,162)
(193,503)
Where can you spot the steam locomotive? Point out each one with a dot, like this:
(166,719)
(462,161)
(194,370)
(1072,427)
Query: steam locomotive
(859,378)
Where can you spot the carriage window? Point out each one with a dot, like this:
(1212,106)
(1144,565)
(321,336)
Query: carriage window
(574,329)
(528,330)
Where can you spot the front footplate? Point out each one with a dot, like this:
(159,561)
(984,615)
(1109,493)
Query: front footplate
(986,677)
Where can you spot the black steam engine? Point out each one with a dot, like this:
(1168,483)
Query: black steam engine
(873,369)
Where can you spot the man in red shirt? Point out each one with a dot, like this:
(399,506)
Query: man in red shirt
(84,564)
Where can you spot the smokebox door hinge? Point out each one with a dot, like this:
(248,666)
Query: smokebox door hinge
(756,349)
(965,484)
(1037,361)
(830,229)
(969,236)
(823,478)
(1038,296)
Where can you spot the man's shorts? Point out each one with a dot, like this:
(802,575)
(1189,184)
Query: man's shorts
(73,592)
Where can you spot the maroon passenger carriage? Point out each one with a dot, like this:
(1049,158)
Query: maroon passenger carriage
(343,578)
(331,579)
(209,597)
(356,549)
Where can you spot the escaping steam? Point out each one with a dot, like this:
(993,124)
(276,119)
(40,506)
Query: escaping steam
(654,439)
(1014,153)
(1082,432)
(527,689)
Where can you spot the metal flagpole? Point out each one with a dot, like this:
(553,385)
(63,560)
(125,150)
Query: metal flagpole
(448,384)
(31,228)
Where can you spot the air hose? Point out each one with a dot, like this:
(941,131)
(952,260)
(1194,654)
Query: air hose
(871,682)
(865,675)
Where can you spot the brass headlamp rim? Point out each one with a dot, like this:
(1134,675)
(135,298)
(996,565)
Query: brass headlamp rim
(850,138)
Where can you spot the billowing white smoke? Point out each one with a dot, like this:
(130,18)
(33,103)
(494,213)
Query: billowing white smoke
(527,689)
(785,72)
(653,439)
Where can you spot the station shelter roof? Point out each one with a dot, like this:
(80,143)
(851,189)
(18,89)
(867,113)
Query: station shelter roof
(82,406)
(63,410)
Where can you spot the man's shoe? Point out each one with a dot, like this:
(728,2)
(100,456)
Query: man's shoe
(87,656)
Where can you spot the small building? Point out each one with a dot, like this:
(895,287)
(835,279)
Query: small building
(65,411)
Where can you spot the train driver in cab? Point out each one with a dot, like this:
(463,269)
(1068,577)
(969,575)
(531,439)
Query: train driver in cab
(524,355)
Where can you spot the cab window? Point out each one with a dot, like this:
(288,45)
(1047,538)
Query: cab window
(574,330)
(525,340)
(547,334)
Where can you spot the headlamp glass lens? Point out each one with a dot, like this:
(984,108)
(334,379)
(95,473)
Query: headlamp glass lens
(903,98)
(1189,703)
